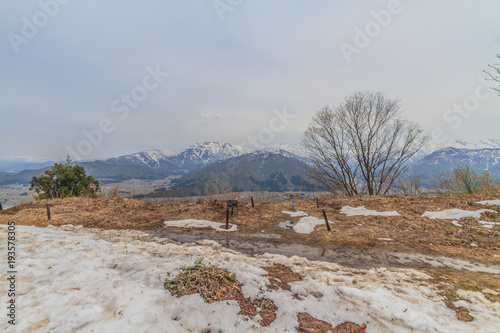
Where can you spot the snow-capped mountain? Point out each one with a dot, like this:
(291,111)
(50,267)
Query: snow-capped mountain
(461,144)
(432,146)
(255,171)
(150,158)
(445,159)
(206,153)
(155,164)
(183,160)
(285,150)
(199,154)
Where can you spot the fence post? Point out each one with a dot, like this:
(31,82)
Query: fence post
(251,198)
(326,220)
(227,218)
(317,202)
(48,212)
(1,206)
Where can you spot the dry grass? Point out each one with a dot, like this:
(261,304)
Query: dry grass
(214,284)
(119,213)
(449,282)
(309,324)
(410,231)
(280,276)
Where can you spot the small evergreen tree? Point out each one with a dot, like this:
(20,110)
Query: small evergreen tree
(65,180)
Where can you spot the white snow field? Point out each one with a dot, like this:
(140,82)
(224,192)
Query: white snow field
(355,211)
(192,223)
(455,214)
(72,279)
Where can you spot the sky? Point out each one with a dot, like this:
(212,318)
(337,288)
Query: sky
(99,79)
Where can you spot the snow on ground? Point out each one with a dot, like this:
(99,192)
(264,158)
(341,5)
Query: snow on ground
(489,202)
(351,211)
(305,225)
(72,279)
(192,223)
(489,225)
(456,224)
(455,214)
(295,214)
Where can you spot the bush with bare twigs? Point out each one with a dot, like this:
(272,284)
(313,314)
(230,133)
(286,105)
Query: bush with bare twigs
(464,180)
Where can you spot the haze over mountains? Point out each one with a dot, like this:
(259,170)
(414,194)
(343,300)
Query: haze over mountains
(277,168)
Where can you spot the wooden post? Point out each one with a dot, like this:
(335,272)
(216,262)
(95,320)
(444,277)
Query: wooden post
(251,198)
(1,206)
(317,202)
(326,220)
(231,210)
(48,212)
(227,218)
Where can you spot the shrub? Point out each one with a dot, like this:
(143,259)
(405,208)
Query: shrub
(65,180)
(462,180)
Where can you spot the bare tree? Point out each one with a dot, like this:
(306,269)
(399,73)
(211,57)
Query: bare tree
(495,74)
(361,146)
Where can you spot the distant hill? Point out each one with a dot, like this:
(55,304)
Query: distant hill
(22,177)
(262,170)
(446,159)
(3,173)
(18,165)
(101,170)
(106,171)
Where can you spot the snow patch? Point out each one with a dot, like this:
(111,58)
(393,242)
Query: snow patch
(455,214)
(294,214)
(489,202)
(489,225)
(456,224)
(192,223)
(307,224)
(351,211)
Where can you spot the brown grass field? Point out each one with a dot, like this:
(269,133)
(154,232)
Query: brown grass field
(410,231)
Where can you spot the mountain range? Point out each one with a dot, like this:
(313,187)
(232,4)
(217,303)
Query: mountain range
(255,171)
(155,164)
(204,167)
(446,159)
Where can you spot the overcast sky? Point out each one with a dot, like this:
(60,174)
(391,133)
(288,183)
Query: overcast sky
(137,75)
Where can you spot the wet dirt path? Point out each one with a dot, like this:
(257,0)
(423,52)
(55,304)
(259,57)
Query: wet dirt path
(253,244)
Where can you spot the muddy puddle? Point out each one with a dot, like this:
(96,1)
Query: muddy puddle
(261,243)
